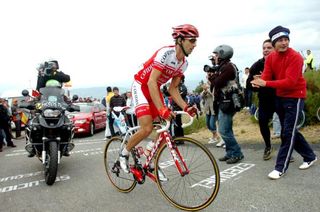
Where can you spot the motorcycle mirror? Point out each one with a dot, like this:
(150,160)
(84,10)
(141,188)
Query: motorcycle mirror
(73,108)
(25,92)
(75,97)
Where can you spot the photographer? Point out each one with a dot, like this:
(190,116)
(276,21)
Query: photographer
(224,80)
(208,99)
(49,70)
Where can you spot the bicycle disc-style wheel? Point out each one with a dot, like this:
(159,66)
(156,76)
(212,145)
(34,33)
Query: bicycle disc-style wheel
(122,181)
(198,188)
(301,119)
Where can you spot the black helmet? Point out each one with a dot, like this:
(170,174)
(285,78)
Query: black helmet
(224,51)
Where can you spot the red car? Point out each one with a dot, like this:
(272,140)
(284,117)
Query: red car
(92,116)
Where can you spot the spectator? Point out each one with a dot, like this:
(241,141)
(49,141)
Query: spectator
(211,117)
(223,81)
(267,101)
(106,103)
(16,116)
(5,123)
(115,100)
(197,101)
(282,71)
(309,61)
(132,118)
(247,90)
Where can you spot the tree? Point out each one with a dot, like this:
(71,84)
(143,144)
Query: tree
(199,88)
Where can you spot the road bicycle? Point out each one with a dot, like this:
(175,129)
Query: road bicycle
(301,118)
(192,173)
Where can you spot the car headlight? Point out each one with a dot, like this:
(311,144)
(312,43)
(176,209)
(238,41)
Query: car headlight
(80,121)
(49,113)
(70,116)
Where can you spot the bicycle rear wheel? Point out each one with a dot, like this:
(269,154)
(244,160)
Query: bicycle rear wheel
(122,181)
(198,188)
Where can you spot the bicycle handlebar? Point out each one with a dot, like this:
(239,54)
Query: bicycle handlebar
(166,127)
(119,108)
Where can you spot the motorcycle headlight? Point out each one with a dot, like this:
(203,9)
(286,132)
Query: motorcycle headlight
(49,113)
(80,121)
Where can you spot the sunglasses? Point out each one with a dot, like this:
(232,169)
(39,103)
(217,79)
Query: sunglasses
(192,40)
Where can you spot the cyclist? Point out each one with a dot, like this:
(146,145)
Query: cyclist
(169,62)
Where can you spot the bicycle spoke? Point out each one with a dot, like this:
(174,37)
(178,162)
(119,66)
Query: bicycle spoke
(122,181)
(187,192)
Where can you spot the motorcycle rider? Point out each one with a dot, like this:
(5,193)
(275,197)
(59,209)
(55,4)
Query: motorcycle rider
(47,71)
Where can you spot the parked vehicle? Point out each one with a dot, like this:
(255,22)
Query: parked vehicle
(92,116)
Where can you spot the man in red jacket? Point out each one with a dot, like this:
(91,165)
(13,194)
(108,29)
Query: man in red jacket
(283,71)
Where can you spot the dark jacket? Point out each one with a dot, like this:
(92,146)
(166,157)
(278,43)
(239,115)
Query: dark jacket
(263,92)
(117,101)
(57,75)
(219,80)
(4,116)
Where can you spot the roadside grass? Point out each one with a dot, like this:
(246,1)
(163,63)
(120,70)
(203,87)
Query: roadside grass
(196,126)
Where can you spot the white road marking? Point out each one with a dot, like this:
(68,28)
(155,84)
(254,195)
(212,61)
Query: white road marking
(225,175)
(30,184)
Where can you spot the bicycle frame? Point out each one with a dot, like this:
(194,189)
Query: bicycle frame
(163,139)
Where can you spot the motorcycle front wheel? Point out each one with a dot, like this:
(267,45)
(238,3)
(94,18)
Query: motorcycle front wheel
(51,164)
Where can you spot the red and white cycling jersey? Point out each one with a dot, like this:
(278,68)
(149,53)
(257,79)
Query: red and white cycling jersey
(166,62)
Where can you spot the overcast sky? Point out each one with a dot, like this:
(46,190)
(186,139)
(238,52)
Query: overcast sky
(101,43)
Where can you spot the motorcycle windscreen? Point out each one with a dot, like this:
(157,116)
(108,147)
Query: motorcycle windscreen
(52,94)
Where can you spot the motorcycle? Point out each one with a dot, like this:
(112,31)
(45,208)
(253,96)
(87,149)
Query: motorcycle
(49,132)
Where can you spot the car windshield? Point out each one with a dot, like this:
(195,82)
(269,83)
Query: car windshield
(85,108)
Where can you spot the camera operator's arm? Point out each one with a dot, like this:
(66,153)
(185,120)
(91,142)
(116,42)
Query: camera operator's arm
(61,77)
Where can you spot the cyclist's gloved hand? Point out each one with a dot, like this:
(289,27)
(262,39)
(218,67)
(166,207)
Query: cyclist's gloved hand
(192,111)
(165,113)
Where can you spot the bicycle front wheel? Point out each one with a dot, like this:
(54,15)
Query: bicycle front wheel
(122,181)
(199,185)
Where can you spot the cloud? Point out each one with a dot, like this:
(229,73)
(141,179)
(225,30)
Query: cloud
(104,42)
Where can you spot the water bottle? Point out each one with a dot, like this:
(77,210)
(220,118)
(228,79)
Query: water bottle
(149,148)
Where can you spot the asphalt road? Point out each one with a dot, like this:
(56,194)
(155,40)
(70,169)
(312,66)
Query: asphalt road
(82,184)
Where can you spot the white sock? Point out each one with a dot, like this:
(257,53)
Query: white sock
(125,151)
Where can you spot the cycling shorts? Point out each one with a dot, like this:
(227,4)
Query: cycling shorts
(142,101)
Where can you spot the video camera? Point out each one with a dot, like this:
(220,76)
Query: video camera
(49,68)
(210,69)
